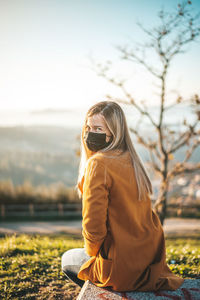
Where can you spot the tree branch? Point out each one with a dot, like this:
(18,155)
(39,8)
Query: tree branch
(130,56)
(179,169)
(185,136)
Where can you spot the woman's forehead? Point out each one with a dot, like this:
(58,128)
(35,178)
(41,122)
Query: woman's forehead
(96,120)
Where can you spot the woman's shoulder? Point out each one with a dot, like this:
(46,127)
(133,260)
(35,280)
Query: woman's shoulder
(108,156)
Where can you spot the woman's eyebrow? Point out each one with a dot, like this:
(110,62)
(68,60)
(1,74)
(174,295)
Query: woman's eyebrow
(96,126)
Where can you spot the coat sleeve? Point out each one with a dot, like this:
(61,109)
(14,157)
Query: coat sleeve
(94,206)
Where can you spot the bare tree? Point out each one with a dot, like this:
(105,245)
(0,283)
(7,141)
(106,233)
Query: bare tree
(167,40)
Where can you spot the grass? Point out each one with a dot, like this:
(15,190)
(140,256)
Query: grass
(31,265)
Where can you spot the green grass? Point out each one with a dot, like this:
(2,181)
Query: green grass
(183,257)
(31,265)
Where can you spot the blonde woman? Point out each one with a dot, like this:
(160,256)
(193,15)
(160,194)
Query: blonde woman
(124,245)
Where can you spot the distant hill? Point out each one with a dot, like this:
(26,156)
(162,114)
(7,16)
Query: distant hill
(42,154)
(47,154)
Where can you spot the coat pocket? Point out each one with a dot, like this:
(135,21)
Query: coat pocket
(107,247)
(103,268)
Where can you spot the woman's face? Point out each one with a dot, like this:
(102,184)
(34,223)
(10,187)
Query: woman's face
(96,123)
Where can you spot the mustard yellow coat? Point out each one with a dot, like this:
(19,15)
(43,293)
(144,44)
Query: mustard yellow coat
(123,235)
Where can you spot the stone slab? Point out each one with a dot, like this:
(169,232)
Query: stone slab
(189,290)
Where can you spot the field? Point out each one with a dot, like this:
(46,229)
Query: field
(31,265)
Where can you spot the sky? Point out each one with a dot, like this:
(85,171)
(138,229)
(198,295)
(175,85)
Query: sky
(46,46)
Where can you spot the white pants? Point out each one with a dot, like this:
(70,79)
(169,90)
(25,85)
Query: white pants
(71,262)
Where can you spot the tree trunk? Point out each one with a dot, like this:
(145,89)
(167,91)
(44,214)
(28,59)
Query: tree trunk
(160,206)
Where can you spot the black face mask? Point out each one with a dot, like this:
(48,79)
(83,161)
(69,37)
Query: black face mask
(96,141)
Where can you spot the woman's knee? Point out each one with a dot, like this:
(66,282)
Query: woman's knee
(73,259)
(66,260)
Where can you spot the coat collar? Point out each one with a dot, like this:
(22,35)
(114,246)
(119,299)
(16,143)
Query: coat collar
(125,156)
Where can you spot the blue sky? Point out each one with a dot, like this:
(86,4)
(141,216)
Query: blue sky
(45,45)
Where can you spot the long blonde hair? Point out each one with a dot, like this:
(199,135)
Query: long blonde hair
(115,120)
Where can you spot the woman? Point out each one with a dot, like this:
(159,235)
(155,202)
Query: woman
(124,245)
